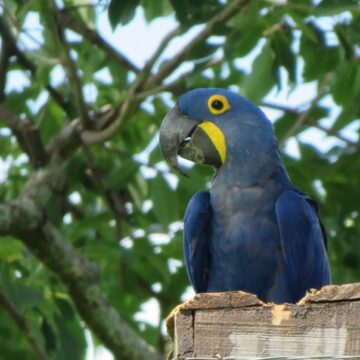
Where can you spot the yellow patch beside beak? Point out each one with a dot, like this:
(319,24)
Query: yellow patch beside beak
(217,138)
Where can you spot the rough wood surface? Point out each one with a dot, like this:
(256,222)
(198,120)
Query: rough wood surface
(332,293)
(238,325)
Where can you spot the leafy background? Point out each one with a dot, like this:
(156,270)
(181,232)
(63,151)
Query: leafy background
(110,195)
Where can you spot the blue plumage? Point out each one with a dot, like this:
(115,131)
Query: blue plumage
(302,243)
(197,227)
(253,231)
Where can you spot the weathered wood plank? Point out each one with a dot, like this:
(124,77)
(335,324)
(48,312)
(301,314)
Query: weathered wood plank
(332,293)
(184,333)
(237,324)
(278,330)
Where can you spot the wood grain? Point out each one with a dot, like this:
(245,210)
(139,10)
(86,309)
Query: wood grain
(237,324)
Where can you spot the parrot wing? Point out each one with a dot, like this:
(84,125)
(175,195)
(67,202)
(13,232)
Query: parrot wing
(196,240)
(303,242)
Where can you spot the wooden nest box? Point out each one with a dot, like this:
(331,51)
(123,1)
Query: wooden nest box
(325,324)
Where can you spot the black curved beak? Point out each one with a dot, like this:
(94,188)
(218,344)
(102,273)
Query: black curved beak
(174,130)
(181,135)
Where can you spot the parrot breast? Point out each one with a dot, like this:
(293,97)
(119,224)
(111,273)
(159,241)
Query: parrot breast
(245,243)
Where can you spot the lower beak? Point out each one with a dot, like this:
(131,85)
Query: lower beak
(181,135)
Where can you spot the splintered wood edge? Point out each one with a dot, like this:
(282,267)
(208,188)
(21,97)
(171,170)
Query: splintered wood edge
(230,299)
(238,299)
(332,293)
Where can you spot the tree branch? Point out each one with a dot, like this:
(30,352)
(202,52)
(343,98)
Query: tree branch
(140,84)
(27,134)
(176,86)
(24,218)
(296,113)
(71,135)
(336,134)
(208,30)
(66,142)
(74,78)
(23,326)
(303,116)
(9,38)
(121,112)
(117,117)
(112,201)
(287,109)
(68,21)
(4,64)
(150,63)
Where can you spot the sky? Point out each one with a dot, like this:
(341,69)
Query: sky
(138,40)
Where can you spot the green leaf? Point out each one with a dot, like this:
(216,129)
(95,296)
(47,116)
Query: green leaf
(202,51)
(348,114)
(71,339)
(284,56)
(190,12)
(23,296)
(165,201)
(10,249)
(335,7)
(117,178)
(87,14)
(66,309)
(261,79)
(319,58)
(346,83)
(49,335)
(122,11)
(240,42)
(154,8)
(245,31)
(50,121)
(283,125)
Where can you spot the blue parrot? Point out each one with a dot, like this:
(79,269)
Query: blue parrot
(254,230)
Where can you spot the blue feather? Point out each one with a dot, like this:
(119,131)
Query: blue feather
(196,240)
(303,243)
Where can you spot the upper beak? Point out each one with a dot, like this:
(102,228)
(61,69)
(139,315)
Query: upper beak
(181,135)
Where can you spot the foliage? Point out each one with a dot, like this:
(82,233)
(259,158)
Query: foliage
(114,199)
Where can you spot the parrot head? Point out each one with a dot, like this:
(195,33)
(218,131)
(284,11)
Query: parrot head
(216,127)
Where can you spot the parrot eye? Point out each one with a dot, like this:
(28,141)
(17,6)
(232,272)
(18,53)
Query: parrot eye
(218,104)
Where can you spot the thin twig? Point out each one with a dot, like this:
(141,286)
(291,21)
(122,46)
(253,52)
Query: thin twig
(92,137)
(120,113)
(27,135)
(68,21)
(107,195)
(23,326)
(230,11)
(336,134)
(302,118)
(4,64)
(8,37)
(287,109)
(72,71)
(313,122)
(176,84)
(164,43)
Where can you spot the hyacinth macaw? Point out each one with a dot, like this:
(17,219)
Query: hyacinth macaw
(254,230)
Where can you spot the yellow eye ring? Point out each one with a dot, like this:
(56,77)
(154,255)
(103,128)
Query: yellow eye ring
(218,104)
